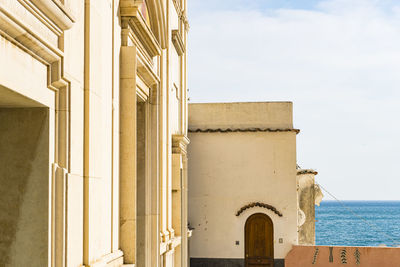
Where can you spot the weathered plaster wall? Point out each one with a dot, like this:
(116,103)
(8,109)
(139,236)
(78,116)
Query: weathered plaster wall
(309,194)
(24,179)
(306,198)
(230,170)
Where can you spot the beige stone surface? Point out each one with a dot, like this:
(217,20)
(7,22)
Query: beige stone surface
(15,63)
(24,178)
(75,220)
(93,199)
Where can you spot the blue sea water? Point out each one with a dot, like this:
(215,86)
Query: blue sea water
(358,223)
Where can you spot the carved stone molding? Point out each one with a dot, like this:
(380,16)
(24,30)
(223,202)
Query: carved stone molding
(153,38)
(185,21)
(181,14)
(179,144)
(178,43)
(57,12)
(261,205)
(147,73)
(134,26)
(177,7)
(38,35)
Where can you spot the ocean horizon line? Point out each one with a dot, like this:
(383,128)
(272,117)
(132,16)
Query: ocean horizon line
(360,200)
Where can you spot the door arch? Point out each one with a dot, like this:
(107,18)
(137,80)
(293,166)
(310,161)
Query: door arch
(259,241)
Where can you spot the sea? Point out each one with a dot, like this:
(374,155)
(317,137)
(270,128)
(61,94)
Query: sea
(358,223)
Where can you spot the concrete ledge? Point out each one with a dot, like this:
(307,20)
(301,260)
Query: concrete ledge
(110,260)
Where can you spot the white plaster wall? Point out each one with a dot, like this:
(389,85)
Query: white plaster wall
(230,170)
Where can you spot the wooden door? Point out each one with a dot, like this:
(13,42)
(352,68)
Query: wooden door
(259,241)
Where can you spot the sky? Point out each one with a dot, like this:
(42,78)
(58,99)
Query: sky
(338,61)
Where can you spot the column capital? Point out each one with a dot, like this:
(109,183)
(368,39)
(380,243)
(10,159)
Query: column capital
(179,144)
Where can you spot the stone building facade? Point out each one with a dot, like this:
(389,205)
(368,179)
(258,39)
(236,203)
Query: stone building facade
(93,133)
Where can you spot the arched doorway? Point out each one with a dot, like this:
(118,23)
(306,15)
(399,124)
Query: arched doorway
(259,241)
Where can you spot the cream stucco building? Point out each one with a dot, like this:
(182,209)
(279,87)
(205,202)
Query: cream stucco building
(93,133)
(243,184)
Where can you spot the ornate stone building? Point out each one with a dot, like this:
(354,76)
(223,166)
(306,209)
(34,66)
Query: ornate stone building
(93,133)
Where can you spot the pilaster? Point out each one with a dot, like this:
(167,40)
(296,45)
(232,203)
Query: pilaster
(128,153)
(179,197)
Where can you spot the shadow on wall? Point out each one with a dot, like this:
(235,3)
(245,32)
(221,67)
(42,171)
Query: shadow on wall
(24,172)
(314,256)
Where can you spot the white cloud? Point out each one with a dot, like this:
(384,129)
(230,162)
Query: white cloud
(340,65)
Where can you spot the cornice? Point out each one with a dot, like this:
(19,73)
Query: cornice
(140,29)
(178,43)
(34,40)
(145,35)
(130,12)
(22,36)
(146,73)
(57,12)
(179,144)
